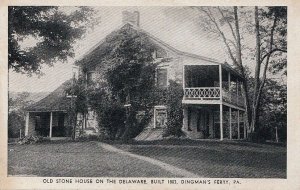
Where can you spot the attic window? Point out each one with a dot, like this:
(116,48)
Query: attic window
(160,53)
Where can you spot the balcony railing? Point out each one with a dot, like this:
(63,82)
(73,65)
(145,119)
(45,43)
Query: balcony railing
(213,93)
(203,93)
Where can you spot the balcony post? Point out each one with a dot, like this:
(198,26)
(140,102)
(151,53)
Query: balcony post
(183,77)
(229,86)
(230,126)
(237,87)
(238,123)
(220,81)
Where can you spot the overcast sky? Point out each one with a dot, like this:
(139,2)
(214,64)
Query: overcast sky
(177,26)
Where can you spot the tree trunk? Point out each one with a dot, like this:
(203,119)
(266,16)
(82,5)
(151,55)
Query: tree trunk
(240,63)
(257,74)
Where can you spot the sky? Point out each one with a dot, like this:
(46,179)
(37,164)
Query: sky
(177,26)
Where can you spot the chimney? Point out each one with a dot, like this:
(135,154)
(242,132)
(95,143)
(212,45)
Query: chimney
(131,18)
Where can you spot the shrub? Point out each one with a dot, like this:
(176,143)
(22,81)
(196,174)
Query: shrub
(31,139)
(88,137)
(16,122)
(174,110)
(111,117)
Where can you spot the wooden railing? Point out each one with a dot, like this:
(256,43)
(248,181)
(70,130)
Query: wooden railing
(213,93)
(203,93)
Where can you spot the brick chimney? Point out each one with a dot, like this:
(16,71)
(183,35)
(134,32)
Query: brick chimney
(131,17)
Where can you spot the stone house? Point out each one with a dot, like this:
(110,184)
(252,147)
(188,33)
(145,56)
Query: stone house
(213,103)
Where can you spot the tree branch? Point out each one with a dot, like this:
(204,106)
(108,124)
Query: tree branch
(271,52)
(222,35)
(229,24)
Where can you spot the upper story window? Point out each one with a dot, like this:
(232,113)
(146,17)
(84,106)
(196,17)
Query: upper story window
(91,76)
(162,77)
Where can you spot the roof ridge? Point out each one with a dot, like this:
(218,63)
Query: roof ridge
(151,36)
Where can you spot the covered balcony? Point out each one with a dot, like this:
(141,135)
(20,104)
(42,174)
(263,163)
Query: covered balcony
(212,84)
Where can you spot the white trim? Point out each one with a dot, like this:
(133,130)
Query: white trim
(201,102)
(201,63)
(65,111)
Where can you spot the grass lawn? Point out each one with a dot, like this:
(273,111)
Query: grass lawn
(204,158)
(216,159)
(76,159)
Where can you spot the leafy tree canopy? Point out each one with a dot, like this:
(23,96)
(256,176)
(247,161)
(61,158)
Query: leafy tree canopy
(54,29)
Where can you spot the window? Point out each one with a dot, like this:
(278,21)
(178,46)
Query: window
(91,76)
(162,78)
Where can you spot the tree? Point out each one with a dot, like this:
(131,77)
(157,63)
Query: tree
(54,31)
(131,72)
(273,111)
(16,115)
(269,41)
(124,62)
(224,23)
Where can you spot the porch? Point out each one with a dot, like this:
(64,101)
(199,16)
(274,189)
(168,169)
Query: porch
(53,125)
(212,84)
(212,121)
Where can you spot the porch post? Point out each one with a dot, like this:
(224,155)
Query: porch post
(237,90)
(230,126)
(27,123)
(221,102)
(229,80)
(221,122)
(154,123)
(50,133)
(238,123)
(244,120)
(185,119)
(220,81)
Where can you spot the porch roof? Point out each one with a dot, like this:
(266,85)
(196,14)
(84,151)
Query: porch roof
(55,101)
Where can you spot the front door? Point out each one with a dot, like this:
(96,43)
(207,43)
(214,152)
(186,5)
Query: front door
(160,117)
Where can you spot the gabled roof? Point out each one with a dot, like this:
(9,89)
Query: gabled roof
(55,101)
(155,39)
(164,44)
